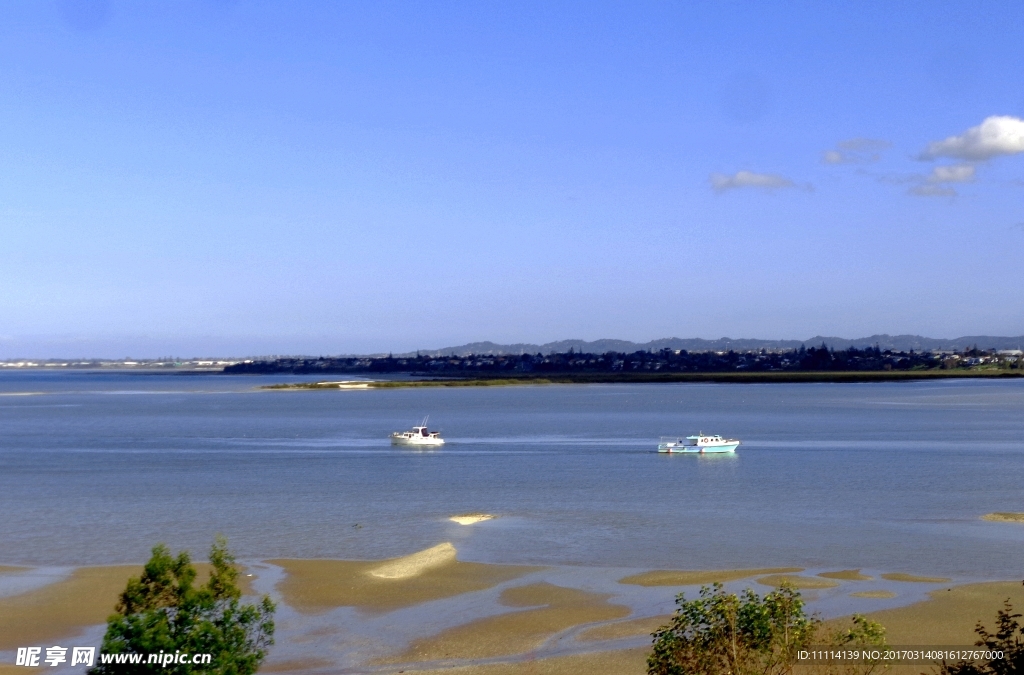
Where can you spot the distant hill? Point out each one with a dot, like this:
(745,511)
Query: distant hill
(893,342)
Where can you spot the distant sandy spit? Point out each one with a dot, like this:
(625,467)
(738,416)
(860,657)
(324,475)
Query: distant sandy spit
(949,617)
(873,594)
(556,608)
(622,662)
(910,578)
(846,575)
(802,583)
(1004,517)
(695,577)
(471,518)
(316,586)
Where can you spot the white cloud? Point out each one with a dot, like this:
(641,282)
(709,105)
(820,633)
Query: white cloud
(748,179)
(856,151)
(931,190)
(997,135)
(954,173)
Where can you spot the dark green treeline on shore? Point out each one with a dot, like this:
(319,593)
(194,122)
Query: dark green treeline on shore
(665,364)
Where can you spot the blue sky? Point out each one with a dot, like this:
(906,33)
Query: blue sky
(256,177)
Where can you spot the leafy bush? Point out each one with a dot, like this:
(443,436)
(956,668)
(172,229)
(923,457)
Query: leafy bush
(723,633)
(162,611)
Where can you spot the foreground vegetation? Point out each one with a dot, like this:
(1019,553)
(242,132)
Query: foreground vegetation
(163,613)
(723,633)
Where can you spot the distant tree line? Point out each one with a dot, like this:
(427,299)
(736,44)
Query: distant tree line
(666,360)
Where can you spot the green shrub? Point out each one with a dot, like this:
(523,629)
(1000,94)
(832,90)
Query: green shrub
(161,611)
(723,633)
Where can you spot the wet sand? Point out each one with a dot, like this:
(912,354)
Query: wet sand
(62,609)
(699,577)
(949,616)
(554,609)
(621,662)
(294,666)
(68,606)
(900,576)
(624,629)
(801,583)
(7,569)
(846,575)
(316,586)
(879,594)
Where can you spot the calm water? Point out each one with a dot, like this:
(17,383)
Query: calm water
(97,467)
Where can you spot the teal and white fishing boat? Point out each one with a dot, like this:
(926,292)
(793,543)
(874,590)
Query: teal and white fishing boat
(700,443)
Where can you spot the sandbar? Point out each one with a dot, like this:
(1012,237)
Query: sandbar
(555,608)
(846,575)
(415,564)
(1004,517)
(910,578)
(949,616)
(10,569)
(317,586)
(873,594)
(802,583)
(695,577)
(471,518)
(644,625)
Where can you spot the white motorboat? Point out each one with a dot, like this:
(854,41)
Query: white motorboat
(418,436)
(701,443)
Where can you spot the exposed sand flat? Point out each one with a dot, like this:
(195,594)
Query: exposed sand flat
(803,583)
(556,609)
(471,518)
(623,629)
(62,609)
(873,594)
(846,575)
(415,564)
(622,662)
(313,586)
(695,577)
(10,569)
(296,665)
(949,617)
(1004,517)
(66,607)
(900,576)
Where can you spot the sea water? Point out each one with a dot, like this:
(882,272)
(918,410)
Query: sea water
(97,467)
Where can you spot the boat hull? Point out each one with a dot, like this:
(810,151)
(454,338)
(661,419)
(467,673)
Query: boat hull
(417,442)
(673,448)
